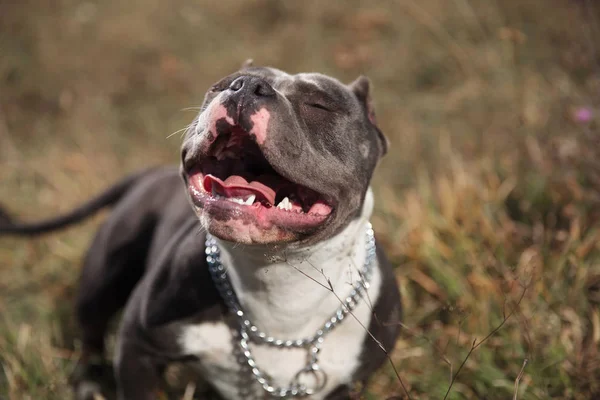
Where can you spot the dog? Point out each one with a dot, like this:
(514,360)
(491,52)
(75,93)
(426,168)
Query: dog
(261,271)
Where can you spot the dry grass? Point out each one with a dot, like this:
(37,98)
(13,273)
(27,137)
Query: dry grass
(488,204)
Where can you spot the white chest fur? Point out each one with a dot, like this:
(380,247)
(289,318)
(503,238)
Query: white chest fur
(288,297)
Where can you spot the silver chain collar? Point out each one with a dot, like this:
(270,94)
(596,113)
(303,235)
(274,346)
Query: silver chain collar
(249,332)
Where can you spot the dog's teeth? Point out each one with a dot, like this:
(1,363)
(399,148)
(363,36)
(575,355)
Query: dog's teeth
(285,204)
(250,200)
(236,200)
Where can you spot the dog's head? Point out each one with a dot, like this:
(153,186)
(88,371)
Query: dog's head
(275,158)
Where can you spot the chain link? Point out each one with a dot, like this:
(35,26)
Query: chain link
(250,332)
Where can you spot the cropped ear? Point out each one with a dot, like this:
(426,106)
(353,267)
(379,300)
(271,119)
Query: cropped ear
(247,64)
(361,87)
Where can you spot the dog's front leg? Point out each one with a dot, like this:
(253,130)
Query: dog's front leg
(137,373)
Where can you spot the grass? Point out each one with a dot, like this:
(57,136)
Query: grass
(488,202)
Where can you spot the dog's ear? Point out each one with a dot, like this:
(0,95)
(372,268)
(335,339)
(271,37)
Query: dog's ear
(361,87)
(247,64)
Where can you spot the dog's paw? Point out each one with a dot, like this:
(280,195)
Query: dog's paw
(93,382)
(89,391)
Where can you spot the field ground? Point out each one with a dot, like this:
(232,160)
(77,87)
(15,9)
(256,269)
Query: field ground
(488,203)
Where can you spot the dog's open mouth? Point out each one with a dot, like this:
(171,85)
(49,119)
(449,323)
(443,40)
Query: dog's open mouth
(236,175)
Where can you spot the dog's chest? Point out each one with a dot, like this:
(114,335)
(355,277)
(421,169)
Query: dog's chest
(218,350)
(217,347)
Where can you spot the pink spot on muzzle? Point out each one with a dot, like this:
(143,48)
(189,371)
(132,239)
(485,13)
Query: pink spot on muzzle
(260,123)
(216,114)
(207,124)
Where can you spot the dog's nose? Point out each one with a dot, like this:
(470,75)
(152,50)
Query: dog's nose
(252,85)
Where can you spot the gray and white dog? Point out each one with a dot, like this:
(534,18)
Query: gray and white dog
(270,284)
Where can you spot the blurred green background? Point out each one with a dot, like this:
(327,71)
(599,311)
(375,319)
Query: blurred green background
(488,201)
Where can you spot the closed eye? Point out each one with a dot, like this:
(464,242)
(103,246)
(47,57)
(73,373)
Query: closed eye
(319,106)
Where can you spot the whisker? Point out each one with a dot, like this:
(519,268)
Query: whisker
(180,130)
(191,109)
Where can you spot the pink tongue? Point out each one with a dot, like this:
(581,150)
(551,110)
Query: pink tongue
(236,186)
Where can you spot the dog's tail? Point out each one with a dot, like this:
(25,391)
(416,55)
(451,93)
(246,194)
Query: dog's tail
(8,226)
